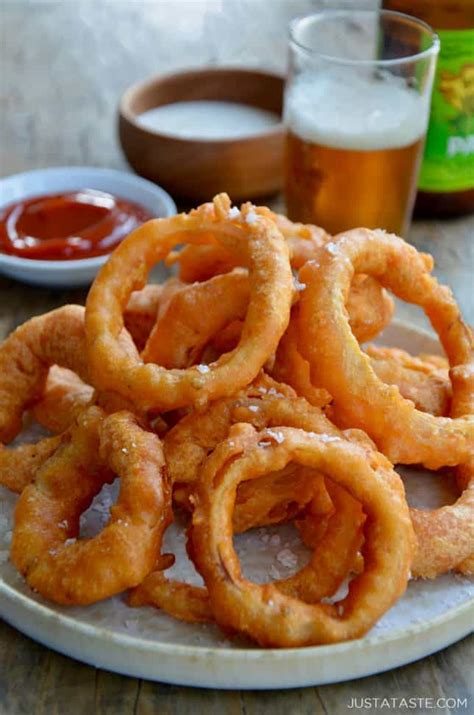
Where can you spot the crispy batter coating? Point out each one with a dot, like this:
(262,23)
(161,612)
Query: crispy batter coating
(422,380)
(262,611)
(64,396)
(56,338)
(233,363)
(45,546)
(18,466)
(141,313)
(261,248)
(180,600)
(337,363)
(194,315)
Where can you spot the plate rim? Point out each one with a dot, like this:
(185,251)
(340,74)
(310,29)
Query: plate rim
(214,668)
(417,628)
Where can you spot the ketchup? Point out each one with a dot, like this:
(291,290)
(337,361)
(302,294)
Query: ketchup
(77,224)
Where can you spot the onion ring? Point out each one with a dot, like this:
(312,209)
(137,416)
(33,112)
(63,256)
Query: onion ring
(274,498)
(268,404)
(420,380)
(144,307)
(26,356)
(141,312)
(183,601)
(445,536)
(199,263)
(198,313)
(193,438)
(56,338)
(335,550)
(401,432)
(290,368)
(193,316)
(64,396)
(265,613)
(319,579)
(17,466)
(265,403)
(259,246)
(369,306)
(44,546)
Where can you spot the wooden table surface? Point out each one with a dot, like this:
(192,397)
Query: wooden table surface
(63,68)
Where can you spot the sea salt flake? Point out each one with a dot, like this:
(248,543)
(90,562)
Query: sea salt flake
(279,437)
(203,369)
(251,217)
(287,558)
(324,437)
(298,286)
(332,248)
(265,443)
(274,572)
(124,450)
(275,393)
(254,408)
(70,542)
(234,212)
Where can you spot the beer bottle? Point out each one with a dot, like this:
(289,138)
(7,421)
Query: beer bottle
(446,184)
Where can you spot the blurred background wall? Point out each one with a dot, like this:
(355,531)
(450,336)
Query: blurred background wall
(63,57)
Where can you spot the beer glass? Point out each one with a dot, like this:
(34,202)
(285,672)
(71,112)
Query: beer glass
(357,103)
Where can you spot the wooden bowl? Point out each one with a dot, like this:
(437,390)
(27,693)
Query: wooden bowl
(196,170)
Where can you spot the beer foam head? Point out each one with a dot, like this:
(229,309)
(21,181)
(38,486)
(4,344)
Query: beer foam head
(348,110)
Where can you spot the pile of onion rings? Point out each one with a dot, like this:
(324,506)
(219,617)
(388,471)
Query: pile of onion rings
(239,394)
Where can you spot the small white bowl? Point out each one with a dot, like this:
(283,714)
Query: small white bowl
(80,272)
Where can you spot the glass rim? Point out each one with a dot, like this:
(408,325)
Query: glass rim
(345,12)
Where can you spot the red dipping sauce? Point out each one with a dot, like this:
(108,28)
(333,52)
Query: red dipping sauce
(62,227)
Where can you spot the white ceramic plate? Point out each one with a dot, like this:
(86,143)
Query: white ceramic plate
(70,274)
(149,644)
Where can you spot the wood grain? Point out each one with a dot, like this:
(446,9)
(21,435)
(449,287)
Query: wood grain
(64,66)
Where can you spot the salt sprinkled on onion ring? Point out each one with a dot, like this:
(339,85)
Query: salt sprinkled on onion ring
(337,363)
(259,246)
(262,611)
(17,466)
(45,547)
(56,338)
(194,315)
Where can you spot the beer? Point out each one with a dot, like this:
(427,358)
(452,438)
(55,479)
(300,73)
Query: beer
(358,167)
(446,186)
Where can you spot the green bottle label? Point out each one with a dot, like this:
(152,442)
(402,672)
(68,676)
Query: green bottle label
(448,163)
